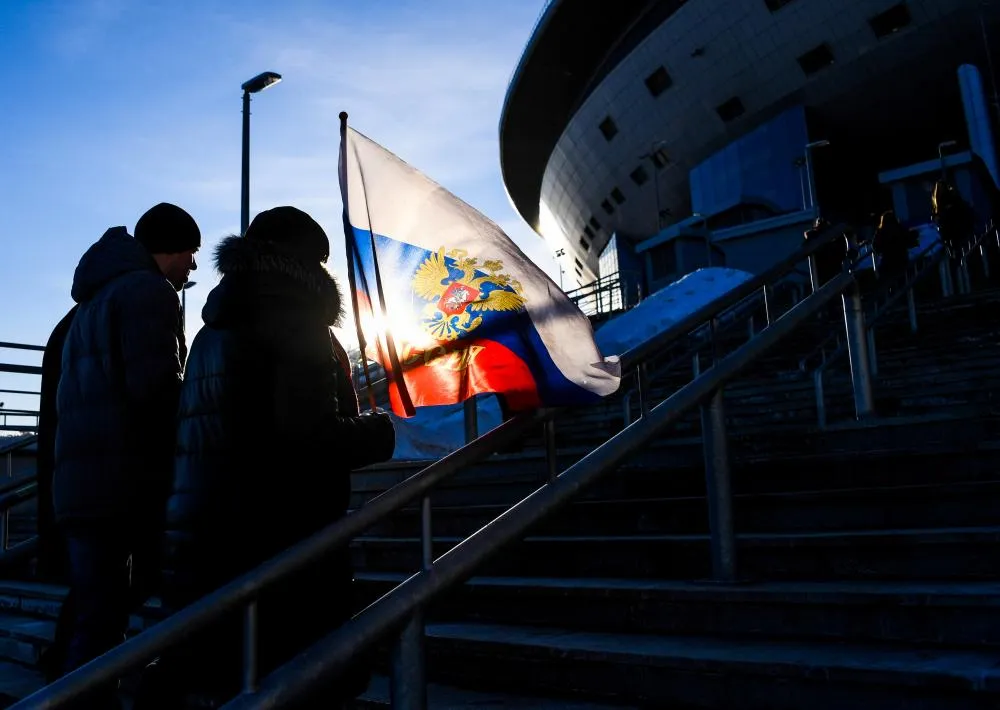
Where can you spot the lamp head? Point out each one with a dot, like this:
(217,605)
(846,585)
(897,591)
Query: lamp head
(261,82)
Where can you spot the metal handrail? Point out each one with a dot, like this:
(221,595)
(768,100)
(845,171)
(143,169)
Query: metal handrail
(22,346)
(731,298)
(18,442)
(907,292)
(13,495)
(705,338)
(244,590)
(909,285)
(331,655)
(20,369)
(15,485)
(835,334)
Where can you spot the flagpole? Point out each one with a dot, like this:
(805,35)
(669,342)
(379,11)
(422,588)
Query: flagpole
(351,280)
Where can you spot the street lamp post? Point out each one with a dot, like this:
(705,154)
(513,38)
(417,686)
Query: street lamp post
(809,170)
(655,158)
(941,147)
(252,86)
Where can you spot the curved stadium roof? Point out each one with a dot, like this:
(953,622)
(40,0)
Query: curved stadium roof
(572,48)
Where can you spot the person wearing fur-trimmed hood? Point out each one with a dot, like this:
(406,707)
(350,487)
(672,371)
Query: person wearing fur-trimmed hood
(269,432)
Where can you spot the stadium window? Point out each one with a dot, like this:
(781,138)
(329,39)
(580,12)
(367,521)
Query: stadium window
(589,232)
(607,207)
(731,110)
(775,5)
(891,21)
(658,82)
(617,196)
(595,224)
(639,175)
(579,264)
(585,244)
(816,59)
(659,158)
(608,128)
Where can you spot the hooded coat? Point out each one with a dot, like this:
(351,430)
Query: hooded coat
(269,431)
(116,400)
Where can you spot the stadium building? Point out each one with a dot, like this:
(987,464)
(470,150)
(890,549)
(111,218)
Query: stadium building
(646,137)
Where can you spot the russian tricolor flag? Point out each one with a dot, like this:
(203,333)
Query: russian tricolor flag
(448,304)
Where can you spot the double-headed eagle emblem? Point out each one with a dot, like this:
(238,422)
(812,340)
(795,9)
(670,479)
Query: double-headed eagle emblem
(459,290)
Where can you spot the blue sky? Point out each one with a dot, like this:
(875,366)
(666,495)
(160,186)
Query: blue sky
(110,106)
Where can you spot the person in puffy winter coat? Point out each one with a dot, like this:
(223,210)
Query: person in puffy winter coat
(116,403)
(269,432)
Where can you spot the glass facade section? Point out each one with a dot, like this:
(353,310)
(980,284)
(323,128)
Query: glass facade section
(608,270)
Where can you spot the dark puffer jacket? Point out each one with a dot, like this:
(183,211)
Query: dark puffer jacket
(269,432)
(117,396)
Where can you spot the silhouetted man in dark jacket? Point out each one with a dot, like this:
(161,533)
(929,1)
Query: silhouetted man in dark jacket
(52,563)
(117,401)
(268,435)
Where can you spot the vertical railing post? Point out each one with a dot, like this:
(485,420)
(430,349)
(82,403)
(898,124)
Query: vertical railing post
(5,514)
(550,450)
(857,352)
(944,271)
(471,419)
(813,274)
(408,679)
(984,257)
(872,353)
(820,398)
(718,478)
(911,307)
(640,386)
(250,655)
(768,297)
(964,285)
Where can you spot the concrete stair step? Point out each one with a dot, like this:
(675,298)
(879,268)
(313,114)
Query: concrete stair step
(890,507)
(17,682)
(926,450)
(961,614)
(707,672)
(443,697)
(23,638)
(934,554)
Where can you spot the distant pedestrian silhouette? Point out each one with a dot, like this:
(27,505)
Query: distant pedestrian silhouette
(952,215)
(892,243)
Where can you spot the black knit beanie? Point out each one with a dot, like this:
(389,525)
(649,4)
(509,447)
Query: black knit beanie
(167,229)
(293,230)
